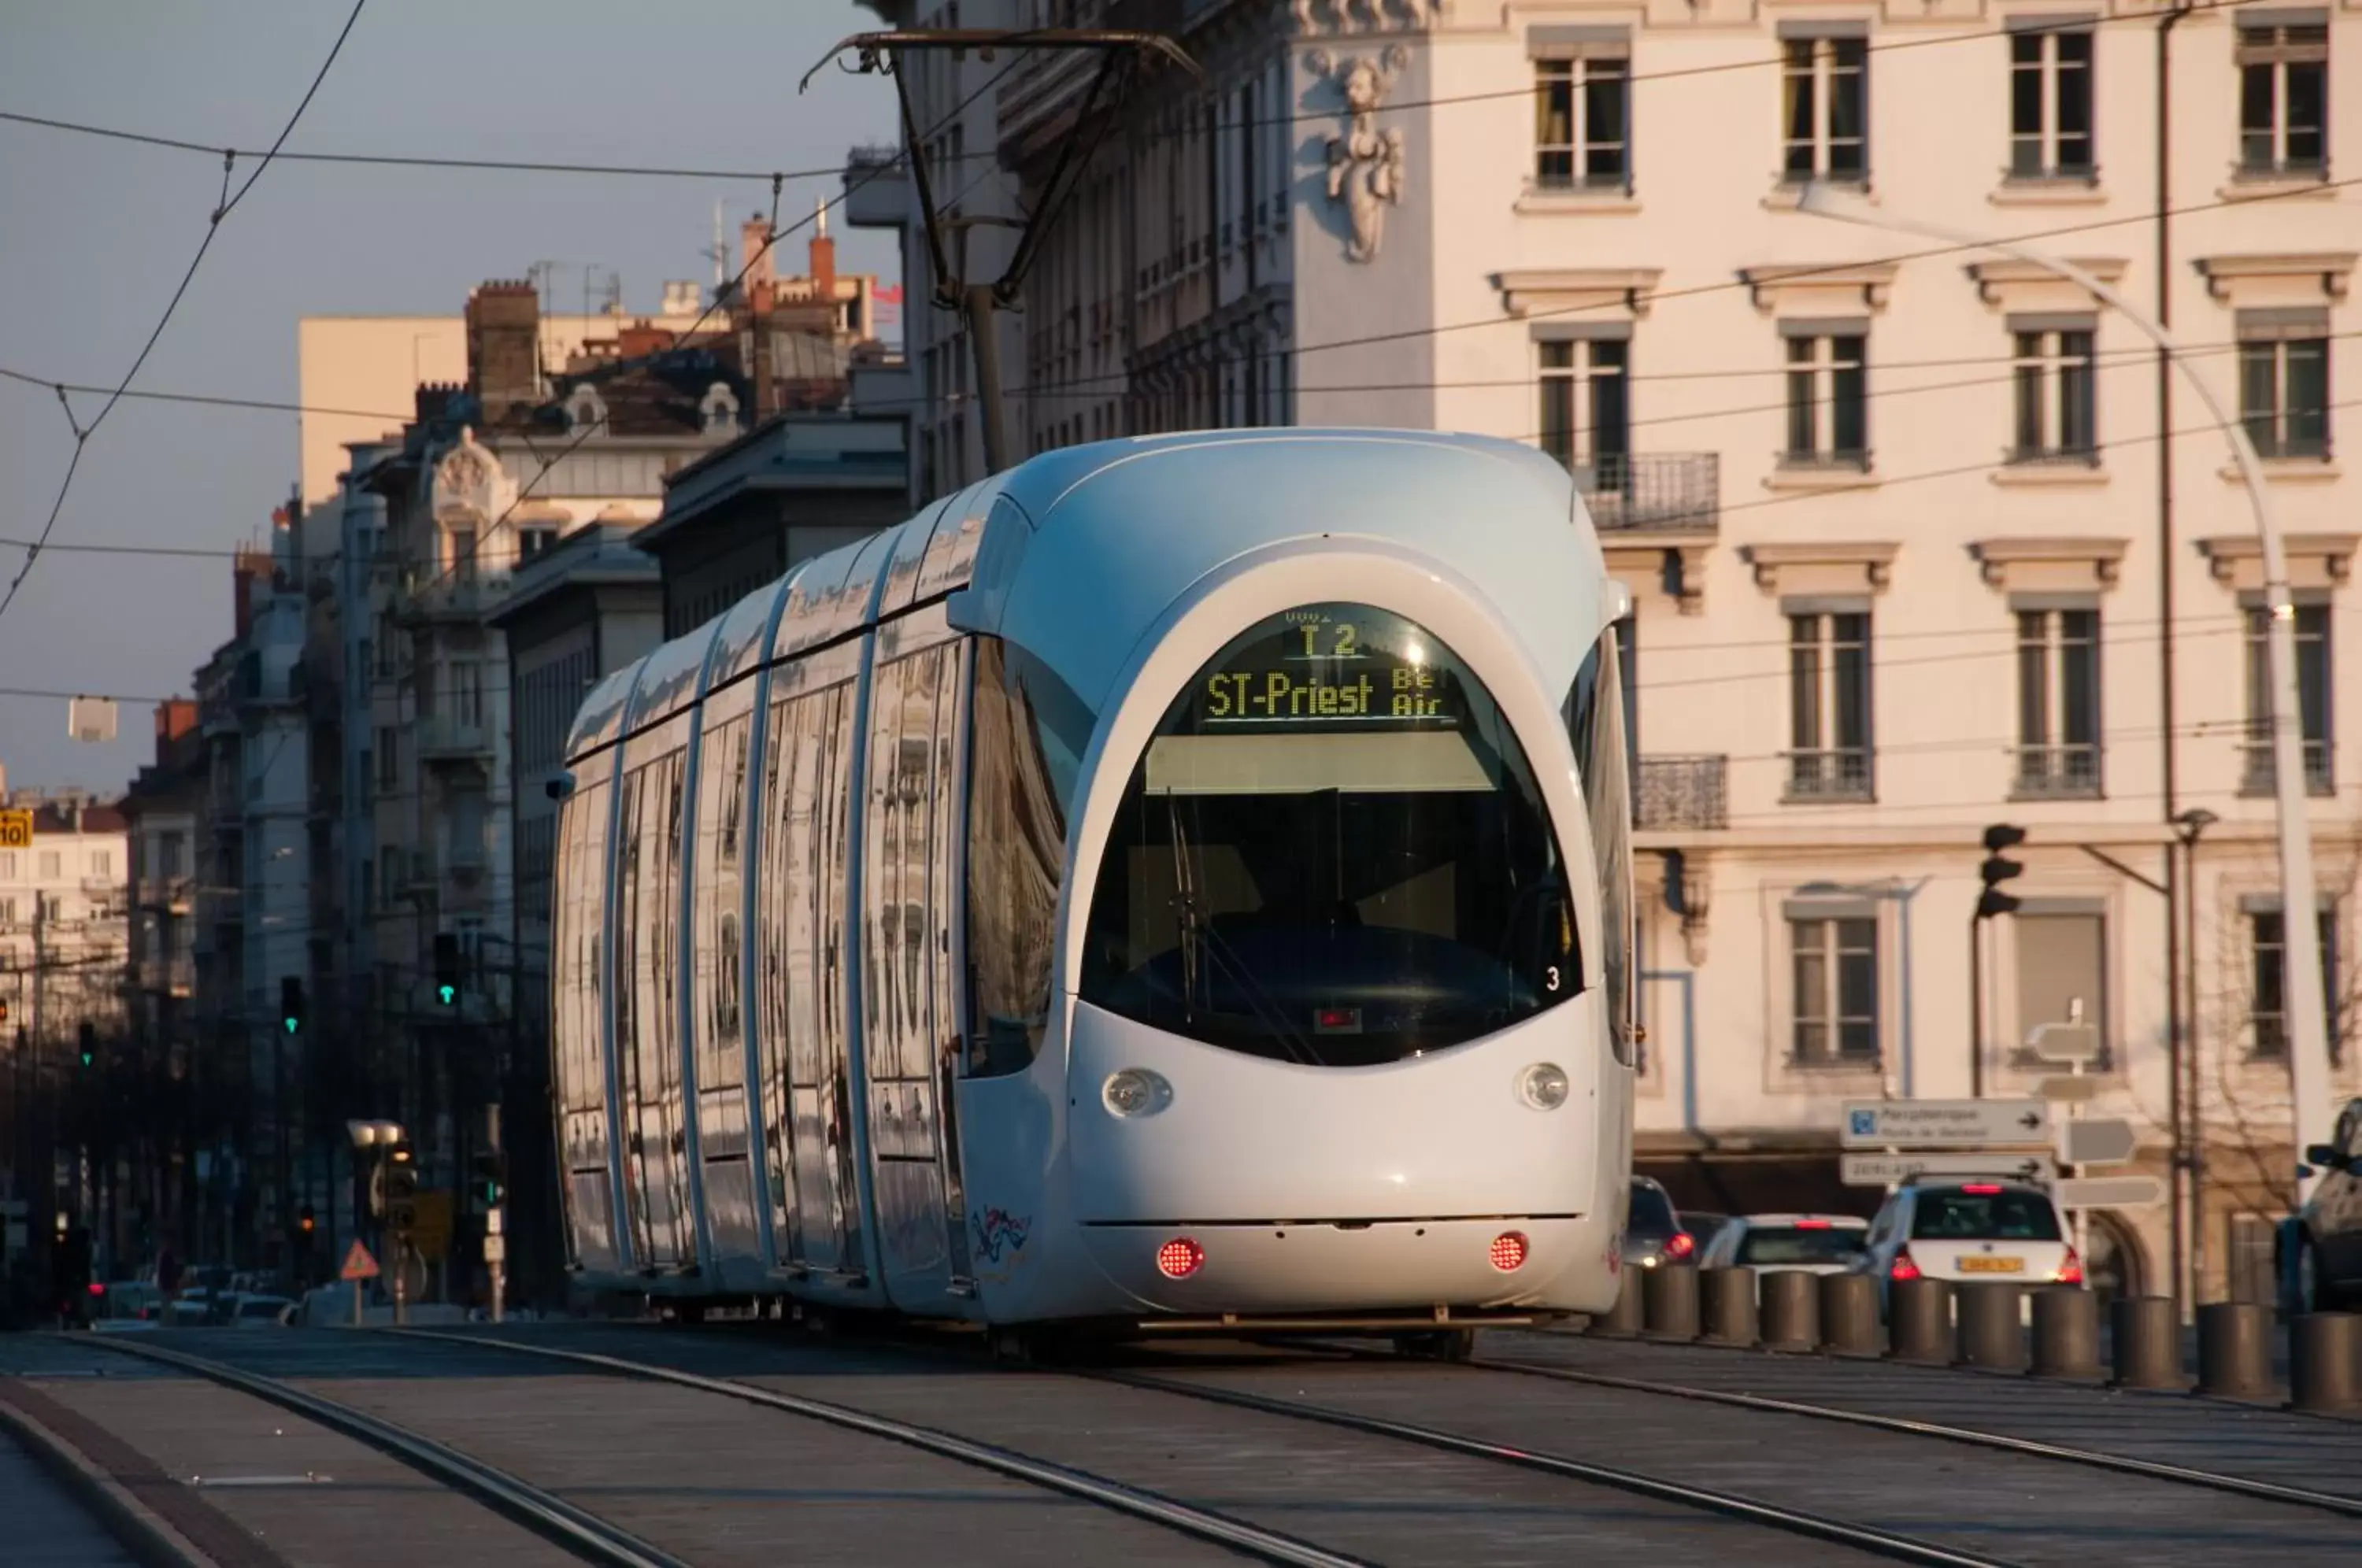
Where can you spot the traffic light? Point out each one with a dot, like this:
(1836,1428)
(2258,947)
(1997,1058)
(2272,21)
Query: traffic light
(292,1011)
(447,968)
(400,1189)
(487,1183)
(1998,869)
(4,1009)
(304,1221)
(88,1033)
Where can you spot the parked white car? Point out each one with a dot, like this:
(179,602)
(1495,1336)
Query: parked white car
(1970,1233)
(1787,1243)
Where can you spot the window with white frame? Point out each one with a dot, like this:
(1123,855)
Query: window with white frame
(2062,968)
(2055,390)
(102,862)
(1834,972)
(2058,699)
(1585,412)
(2284,95)
(1828,695)
(2050,102)
(1829,412)
(2313,698)
(1825,102)
(1583,108)
(2284,381)
(2268,999)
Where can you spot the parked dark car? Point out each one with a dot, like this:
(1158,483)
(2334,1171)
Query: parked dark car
(1652,1232)
(2326,1275)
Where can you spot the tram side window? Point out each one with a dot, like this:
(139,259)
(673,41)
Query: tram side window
(1027,737)
(1597,724)
(721,810)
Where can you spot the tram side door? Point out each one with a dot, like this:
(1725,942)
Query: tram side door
(946,899)
(628,1054)
(825,1235)
(663,1123)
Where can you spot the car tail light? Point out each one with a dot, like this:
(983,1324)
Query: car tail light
(1982,1188)
(1179,1258)
(1812,1224)
(1509,1251)
(96,1289)
(1902,1267)
(2072,1271)
(1682,1246)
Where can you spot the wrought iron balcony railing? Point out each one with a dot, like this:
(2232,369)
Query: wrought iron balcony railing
(1627,491)
(1675,792)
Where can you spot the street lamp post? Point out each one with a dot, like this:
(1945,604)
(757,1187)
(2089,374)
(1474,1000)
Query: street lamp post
(1900,895)
(2308,1023)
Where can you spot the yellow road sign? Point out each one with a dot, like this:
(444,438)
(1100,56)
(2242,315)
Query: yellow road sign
(15,830)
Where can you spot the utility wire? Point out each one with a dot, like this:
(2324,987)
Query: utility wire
(213,227)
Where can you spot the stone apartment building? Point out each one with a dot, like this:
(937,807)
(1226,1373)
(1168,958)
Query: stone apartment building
(1921,539)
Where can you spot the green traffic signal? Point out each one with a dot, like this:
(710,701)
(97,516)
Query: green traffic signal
(449,993)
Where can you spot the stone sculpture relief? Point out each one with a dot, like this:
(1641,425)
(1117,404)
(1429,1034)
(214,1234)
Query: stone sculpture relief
(1365,164)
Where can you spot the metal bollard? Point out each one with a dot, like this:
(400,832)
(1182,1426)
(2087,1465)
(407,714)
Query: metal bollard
(1671,1302)
(2234,1351)
(1729,1300)
(1848,1304)
(2065,1333)
(1991,1332)
(2147,1344)
(2326,1362)
(1791,1316)
(1919,1320)
(1622,1320)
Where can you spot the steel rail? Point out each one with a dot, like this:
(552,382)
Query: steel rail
(1861,1538)
(583,1533)
(2124,1464)
(1249,1539)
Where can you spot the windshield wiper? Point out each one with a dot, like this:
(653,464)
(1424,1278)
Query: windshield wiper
(1199,937)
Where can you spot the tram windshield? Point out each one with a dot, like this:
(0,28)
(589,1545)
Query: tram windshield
(1332,852)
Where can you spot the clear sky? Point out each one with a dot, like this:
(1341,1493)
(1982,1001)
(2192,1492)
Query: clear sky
(94,235)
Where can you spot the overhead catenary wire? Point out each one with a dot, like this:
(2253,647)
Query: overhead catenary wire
(2028,27)
(229,202)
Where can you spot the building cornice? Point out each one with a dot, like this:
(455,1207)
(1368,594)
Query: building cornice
(1995,557)
(1873,281)
(2224,274)
(1873,559)
(1568,288)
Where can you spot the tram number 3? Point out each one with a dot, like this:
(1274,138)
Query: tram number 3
(1549,979)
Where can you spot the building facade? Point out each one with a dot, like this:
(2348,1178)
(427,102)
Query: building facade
(1921,538)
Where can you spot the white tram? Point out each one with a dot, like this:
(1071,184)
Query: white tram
(1180,882)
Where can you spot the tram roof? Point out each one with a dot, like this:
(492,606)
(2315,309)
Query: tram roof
(1074,553)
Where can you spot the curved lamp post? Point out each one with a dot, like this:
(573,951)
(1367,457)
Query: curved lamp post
(2300,984)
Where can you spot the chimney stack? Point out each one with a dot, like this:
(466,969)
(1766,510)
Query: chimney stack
(824,267)
(755,256)
(504,347)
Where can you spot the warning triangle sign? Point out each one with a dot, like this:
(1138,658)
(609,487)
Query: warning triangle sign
(359,1264)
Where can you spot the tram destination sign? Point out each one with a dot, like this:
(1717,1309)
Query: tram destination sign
(1943,1124)
(1328,667)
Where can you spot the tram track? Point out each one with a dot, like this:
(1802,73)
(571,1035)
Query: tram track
(1691,1499)
(2119,1464)
(1240,1536)
(580,1533)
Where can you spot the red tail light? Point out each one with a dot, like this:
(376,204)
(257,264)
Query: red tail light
(1812,1224)
(1509,1251)
(1680,1246)
(2072,1271)
(96,1289)
(1179,1258)
(1902,1267)
(1982,1188)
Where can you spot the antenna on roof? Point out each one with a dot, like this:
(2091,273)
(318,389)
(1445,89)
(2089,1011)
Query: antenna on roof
(819,219)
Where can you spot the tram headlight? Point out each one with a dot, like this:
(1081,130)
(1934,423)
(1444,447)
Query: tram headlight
(1543,1086)
(1136,1091)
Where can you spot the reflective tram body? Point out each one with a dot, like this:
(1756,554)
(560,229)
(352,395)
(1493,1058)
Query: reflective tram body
(1178,877)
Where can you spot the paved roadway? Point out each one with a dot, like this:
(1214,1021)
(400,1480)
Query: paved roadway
(715,1480)
(41,1525)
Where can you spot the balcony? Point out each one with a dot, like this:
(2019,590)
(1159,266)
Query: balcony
(1679,794)
(1840,773)
(2057,773)
(463,595)
(2258,776)
(1676,493)
(450,737)
(878,187)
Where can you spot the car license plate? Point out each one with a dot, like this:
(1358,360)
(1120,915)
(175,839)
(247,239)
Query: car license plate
(1992,1265)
